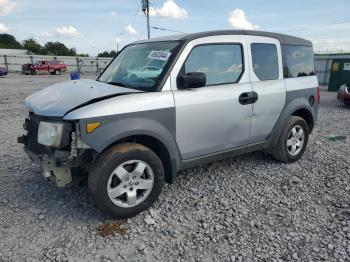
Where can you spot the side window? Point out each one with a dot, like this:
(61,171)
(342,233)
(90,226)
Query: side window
(221,63)
(299,61)
(265,61)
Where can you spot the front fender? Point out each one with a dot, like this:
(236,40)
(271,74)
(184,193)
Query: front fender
(159,124)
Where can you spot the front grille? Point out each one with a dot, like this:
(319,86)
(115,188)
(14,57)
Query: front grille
(32,126)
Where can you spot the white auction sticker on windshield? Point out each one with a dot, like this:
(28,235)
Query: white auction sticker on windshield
(162,55)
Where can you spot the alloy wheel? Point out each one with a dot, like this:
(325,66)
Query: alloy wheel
(295,140)
(130,183)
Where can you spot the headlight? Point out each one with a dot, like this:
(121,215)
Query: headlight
(50,134)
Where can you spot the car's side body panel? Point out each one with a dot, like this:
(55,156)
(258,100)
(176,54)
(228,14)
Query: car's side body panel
(198,125)
(210,119)
(206,123)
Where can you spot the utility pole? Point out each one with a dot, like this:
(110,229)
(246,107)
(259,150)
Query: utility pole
(145,9)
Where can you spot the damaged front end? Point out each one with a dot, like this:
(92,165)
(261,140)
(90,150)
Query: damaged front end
(55,145)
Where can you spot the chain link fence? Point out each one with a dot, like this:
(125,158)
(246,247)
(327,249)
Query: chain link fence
(13,63)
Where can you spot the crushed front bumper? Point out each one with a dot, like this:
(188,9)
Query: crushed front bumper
(56,163)
(56,167)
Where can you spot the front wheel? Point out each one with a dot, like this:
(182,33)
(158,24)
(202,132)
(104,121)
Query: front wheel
(57,72)
(292,142)
(126,180)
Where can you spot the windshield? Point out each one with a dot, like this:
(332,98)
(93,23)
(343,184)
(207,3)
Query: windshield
(140,66)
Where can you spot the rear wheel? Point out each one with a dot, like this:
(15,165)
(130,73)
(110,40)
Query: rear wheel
(293,140)
(126,180)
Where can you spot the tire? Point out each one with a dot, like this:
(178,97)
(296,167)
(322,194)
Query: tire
(57,72)
(105,176)
(284,153)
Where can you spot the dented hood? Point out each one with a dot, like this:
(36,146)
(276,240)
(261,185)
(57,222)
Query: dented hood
(59,99)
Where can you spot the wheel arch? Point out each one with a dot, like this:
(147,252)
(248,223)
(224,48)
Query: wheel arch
(307,116)
(297,107)
(158,147)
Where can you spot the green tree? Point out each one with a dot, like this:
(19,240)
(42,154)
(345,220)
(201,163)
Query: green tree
(103,54)
(83,55)
(59,49)
(9,41)
(72,51)
(50,48)
(32,45)
(112,53)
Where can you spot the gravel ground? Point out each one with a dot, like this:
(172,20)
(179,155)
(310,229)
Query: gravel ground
(248,208)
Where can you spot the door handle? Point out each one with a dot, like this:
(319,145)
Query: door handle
(248,98)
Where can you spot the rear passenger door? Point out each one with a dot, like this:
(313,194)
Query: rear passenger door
(266,74)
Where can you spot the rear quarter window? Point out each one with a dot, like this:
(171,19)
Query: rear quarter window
(299,61)
(265,61)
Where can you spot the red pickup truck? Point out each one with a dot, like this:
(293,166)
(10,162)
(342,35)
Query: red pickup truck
(50,66)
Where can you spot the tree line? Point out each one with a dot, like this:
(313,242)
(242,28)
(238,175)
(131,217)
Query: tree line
(50,48)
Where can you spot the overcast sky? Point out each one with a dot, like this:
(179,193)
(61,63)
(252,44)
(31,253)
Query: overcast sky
(93,26)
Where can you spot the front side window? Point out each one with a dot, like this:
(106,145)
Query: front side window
(221,63)
(140,66)
(299,61)
(265,61)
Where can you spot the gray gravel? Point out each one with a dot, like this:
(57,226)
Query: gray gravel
(247,208)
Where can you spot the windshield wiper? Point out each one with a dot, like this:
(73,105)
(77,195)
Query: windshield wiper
(118,84)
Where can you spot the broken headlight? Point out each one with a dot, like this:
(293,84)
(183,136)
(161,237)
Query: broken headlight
(50,134)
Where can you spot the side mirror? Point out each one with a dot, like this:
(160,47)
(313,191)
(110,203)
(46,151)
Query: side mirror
(191,80)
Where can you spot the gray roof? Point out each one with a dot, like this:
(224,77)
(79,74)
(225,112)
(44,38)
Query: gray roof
(284,39)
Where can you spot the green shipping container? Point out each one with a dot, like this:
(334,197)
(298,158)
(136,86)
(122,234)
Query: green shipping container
(340,74)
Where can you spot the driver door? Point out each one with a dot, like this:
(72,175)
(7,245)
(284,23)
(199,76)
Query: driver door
(42,66)
(211,119)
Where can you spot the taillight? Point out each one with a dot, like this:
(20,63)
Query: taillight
(318,96)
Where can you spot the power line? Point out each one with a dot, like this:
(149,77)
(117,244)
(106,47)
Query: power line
(332,44)
(318,25)
(312,26)
(169,30)
(133,21)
